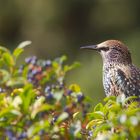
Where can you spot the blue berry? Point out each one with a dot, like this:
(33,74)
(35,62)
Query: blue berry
(84,113)
(41,132)
(49,96)
(28,60)
(80,97)
(90,133)
(22,136)
(9,134)
(2,90)
(61,86)
(47,89)
(69,92)
(54,119)
(47,63)
(34,72)
(21,67)
(31,60)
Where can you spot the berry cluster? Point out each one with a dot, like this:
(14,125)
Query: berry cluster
(37,69)
(48,78)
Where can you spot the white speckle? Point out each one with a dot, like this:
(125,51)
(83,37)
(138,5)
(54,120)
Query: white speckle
(123,118)
(133,88)
(127,83)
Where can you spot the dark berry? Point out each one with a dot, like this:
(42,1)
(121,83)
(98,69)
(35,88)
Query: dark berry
(9,134)
(23,135)
(34,72)
(84,113)
(47,89)
(34,60)
(2,90)
(49,96)
(80,97)
(41,132)
(88,105)
(68,110)
(21,69)
(74,104)
(28,60)
(54,119)
(69,92)
(61,86)
(47,63)
(90,133)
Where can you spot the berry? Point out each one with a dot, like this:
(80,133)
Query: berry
(69,92)
(49,96)
(47,89)
(22,136)
(80,98)
(47,63)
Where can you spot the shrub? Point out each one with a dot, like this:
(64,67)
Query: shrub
(36,103)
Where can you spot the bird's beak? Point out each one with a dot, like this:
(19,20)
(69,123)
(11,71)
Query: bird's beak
(92,47)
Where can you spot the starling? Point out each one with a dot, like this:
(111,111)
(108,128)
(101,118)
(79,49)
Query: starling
(120,76)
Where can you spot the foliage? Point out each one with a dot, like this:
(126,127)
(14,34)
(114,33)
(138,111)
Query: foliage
(118,118)
(36,103)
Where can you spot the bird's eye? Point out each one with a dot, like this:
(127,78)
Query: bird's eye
(104,49)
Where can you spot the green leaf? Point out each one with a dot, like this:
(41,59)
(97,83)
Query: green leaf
(63,58)
(70,67)
(4,76)
(115,107)
(94,123)
(16,82)
(36,127)
(62,117)
(130,99)
(17,52)
(3,49)
(8,59)
(76,114)
(20,48)
(98,114)
(102,128)
(24,44)
(113,98)
(39,106)
(98,107)
(27,96)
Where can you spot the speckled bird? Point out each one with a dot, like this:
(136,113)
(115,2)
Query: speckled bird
(120,76)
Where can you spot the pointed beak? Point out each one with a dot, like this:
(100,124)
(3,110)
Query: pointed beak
(92,47)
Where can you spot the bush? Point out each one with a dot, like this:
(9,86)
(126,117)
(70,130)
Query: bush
(36,103)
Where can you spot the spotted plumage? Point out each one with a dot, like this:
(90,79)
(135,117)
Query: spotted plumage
(120,76)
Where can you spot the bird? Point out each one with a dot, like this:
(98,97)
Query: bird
(120,75)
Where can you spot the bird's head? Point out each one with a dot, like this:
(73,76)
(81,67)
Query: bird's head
(112,51)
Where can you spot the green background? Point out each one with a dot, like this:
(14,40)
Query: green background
(58,27)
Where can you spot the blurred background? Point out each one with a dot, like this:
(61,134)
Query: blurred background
(58,27)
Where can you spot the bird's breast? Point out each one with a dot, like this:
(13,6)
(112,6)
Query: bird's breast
(121,79)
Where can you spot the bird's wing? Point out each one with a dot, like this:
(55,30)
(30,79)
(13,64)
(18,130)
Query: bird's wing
(128,82)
